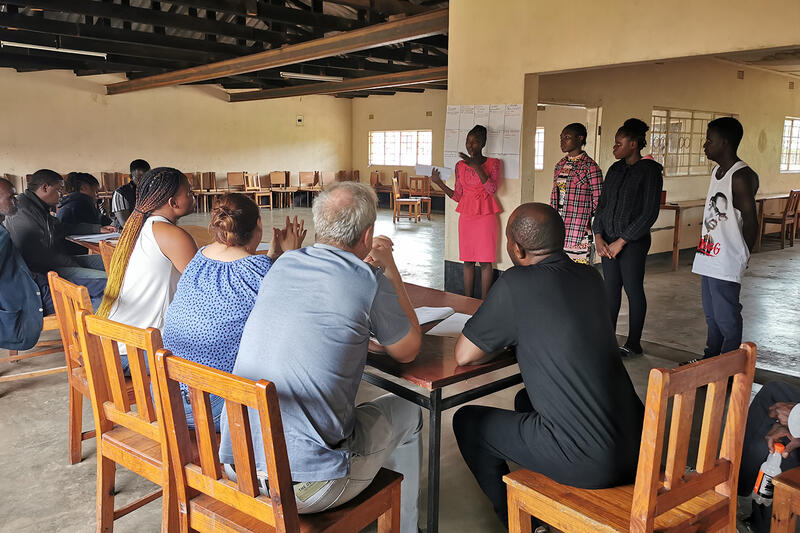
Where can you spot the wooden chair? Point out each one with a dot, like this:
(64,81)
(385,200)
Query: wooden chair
(309,184)
(261,189)
(413,204)
(785,501)
(49,323)
(326,176)
(375,178)
(420,187)
(210,502)
(236,181)
(279,183)
(128,437)
(108,181)
(668,500)
(788,219)
(106,253)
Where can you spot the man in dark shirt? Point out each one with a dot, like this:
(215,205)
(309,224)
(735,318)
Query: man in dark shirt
(582,420)
(124,198)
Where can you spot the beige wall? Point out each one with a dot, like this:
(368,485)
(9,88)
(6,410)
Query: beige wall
(761,100)
(403,111)
(553,119)
(57,120)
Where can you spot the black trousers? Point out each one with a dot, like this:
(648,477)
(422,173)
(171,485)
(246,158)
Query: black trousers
(627,271)
(755,450)
(489,437)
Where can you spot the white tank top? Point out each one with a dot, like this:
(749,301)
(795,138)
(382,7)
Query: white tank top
(149,283)
(722,252)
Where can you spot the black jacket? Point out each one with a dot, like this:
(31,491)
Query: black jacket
(20,299)
(39,236)
(77,208)
(630,202)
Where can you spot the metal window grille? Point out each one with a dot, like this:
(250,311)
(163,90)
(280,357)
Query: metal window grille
(790,146)
(406,147)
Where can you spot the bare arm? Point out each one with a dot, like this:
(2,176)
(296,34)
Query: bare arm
(437,180)
(745,185)
(175,243)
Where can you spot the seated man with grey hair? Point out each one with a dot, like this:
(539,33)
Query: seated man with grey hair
(309,333)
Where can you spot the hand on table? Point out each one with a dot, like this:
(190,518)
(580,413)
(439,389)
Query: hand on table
(108,229)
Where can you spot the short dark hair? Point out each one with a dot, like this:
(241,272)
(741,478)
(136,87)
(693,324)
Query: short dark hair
(578,129)
(43,177)
(479,132)
(76,179)
(636,130)
(8,182)
(729,129)
(139,164)
(538,228)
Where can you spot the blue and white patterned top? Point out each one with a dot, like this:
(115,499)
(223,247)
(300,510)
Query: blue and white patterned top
(205,320)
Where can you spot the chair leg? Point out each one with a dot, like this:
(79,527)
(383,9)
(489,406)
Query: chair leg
(783,234)
(170,517)
(519,521)
(106,470)
(389,522)
(75,425)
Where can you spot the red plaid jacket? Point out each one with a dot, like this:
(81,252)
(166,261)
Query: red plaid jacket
(583,194)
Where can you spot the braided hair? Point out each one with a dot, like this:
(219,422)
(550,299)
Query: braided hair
(155,189)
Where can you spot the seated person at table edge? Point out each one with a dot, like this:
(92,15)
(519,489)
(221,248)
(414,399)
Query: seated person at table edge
(124,198)
(21,301)
(80,205)
(40,237)
(579,420)
(308,334)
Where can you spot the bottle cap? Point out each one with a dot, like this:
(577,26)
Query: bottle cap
(778,447)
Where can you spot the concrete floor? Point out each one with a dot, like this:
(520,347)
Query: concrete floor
(42,492)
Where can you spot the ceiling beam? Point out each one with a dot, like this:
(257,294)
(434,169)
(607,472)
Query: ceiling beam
(431,23)
(156,17)
(383,6)
(382,81)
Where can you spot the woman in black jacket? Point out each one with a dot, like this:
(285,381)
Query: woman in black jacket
(627,210)
(80,205)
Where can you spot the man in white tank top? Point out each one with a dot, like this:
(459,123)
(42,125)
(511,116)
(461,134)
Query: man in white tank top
(728,234)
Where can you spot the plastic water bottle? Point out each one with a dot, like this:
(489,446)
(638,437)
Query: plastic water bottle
(762,492)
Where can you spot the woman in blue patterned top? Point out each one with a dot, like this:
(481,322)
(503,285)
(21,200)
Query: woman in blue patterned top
(218,289)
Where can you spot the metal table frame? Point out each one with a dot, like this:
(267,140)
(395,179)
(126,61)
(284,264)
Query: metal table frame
(435,404)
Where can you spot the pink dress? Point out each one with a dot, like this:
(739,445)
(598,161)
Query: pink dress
(477,208)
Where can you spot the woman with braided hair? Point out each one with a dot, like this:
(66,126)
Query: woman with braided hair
(218,289)
(151,254)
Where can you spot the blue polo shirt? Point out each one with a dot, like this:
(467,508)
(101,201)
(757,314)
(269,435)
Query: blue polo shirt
(308,333)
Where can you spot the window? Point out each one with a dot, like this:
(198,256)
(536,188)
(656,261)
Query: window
(676,140)
(538,163)
(405,148)
(790,148)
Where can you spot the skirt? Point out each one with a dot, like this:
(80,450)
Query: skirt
(477,238)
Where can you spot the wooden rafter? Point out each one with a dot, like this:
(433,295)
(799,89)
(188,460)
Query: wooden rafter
(419,26)
(383,81)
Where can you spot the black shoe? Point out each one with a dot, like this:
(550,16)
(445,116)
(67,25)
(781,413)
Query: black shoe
(627,352)
(690,361)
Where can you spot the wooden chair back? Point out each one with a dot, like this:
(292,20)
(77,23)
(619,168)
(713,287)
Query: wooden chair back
(402,178)
(657,491)
(279,509)
(208,181)
(235,181)
(419,186)
(308,178)
(68,299)
(252,182)
(375,178)
(791,205)
(106,253)
(108,181)
(326,176)
(121,179)
(194,180)
(395,188)
(110,401)
(277,178)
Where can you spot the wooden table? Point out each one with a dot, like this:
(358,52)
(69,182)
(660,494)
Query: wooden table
(435,368)
(785,501)
(678,207)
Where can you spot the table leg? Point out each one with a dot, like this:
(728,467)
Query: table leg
(434,445)
(676,240)
(760,203)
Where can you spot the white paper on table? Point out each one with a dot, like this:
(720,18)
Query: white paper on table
(262,247)
(513,118)
(450,161)
(431,314)
(426,170)
(482,115)
(95,237)
(497,117)
(511,142)
(451,121)
(451,140)
(494,142)
(510,166)
(467,119)
(450,326)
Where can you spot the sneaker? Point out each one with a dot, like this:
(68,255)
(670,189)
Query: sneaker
(542,529)
(628,353)
(690,361)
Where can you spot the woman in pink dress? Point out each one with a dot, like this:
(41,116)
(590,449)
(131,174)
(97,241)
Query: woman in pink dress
(476,185)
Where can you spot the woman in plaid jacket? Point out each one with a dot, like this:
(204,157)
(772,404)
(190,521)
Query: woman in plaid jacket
(577,183)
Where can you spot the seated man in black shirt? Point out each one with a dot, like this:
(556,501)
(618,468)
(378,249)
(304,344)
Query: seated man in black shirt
(583,420)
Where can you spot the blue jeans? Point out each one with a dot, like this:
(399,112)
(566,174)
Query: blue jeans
(217,404)
(723,315)
(90,273)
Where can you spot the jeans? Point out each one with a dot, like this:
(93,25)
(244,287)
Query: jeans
(386,434)
(723,315)
(217,404)
(754,450)
(90,273)
(627,271)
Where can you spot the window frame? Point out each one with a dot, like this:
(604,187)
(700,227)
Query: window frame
(790,145)
(538,142)
(399,142)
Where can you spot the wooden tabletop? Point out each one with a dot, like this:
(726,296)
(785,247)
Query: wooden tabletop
(687,204)
(435,366)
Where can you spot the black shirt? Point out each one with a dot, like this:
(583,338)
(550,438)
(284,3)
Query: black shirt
(630,201)
(555,313)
